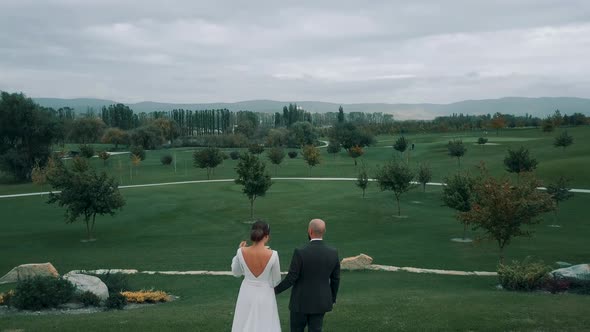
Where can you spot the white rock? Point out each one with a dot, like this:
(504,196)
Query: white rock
(359,262)
(29,270)
(576,272)
(86,283)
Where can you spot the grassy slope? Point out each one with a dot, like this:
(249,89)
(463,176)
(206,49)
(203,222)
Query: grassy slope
(368,301)
(195,227)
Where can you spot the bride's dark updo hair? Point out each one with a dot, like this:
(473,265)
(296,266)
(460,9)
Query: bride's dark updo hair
(260,229)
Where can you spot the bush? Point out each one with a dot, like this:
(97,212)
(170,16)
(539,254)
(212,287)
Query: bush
(42,292)
(523,276)
(234,155)
(116,301)
(87,151)
(166,159)
(224,155)
(146,296)
(5,297)
(138,151)
(89,299)
(115,282)
(255,149)
(292,154)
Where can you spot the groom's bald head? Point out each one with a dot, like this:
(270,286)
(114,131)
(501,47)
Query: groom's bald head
(316,229)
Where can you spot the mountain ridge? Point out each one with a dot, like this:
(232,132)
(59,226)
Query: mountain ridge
(536,106)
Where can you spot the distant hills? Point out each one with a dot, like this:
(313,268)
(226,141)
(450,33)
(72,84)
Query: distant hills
(540,107)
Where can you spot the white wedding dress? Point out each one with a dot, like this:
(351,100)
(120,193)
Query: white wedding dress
(256,307)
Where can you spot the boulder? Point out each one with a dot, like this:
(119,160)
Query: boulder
(359,262)
(579,272)
(86,283)
(28,271)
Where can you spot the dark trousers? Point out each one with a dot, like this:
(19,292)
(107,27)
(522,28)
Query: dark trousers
(313,322)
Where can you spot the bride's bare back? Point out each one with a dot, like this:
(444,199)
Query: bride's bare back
(256,258)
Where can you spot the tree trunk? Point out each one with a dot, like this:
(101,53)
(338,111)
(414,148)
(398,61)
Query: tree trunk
(87,229)
(252,208)
(459,161)
(399,211)
(208,173)
(363,192)
(92,227)
(464,230)
(424,187)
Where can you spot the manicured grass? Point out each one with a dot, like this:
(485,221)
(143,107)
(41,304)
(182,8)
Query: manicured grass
(198,227)
(368,301)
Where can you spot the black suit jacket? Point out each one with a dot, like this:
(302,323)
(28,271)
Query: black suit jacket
(315,276)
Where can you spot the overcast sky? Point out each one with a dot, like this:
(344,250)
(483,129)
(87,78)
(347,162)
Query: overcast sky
(330,50)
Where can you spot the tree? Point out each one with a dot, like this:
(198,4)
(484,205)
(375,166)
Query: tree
(302,133)
(557,118)
(104,156)
(355,152)
(396,177)
(341,115)
(502,210)
(563,140)
(498,122)
(253,177)
(86,151)
(136,161)
(547,126)
(85,194)
(362,180)
(169,130)
(458,195)
(148,137)
(115,136)
(349,135)
(482,141)
(333,147)
(456,149)
(39,175)
(137,151)
(311,155)
(401,144)
(424,175)
(255,149)
(208,158)
(87,130)
(519,161)
(26,135)
(559,191)
(276,156)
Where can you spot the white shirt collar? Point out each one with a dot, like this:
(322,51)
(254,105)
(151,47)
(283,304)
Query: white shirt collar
(320,239)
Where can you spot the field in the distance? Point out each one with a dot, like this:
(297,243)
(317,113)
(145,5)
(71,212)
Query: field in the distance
(198,227)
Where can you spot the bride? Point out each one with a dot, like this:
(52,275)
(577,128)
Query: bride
(256,307)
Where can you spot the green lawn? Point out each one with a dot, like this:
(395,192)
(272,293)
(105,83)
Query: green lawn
(198,227)
(368,301)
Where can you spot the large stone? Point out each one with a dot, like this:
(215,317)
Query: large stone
(359,262)
(86,283)
(579,272)
(28,271)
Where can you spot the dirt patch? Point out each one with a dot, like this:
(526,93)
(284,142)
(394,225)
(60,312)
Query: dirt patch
(461,240)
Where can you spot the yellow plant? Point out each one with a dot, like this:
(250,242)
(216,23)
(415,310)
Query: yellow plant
(5,296)
(146,296)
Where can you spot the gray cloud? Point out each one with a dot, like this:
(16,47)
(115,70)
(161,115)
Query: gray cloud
(342,51)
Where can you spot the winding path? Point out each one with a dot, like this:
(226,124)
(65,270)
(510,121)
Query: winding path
(581,191)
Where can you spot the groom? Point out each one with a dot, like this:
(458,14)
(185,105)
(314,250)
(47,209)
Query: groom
(315,275)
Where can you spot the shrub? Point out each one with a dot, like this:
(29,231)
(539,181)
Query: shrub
(224,155)
(255,149)
(523,276)
(87,151)
(166,159)
(234,155)
(41,292)
(556,285)
(146,296)
(115,282)
(292,154)
(89,299)
(116,301)
(138,151)
(5,297)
